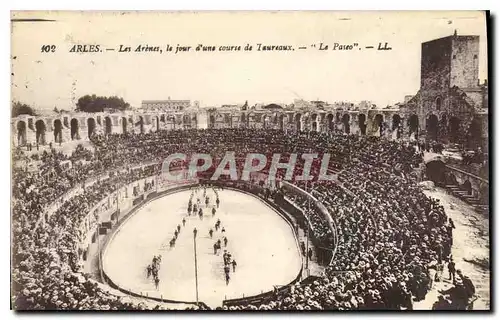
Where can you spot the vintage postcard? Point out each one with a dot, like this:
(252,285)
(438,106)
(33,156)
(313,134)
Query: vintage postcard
(250,161)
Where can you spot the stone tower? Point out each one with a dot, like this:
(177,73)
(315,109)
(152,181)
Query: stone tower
(449,86)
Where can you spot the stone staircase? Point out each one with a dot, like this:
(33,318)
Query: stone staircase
(469,199)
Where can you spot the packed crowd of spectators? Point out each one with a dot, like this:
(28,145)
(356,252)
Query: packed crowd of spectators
(388,230)
(47,266)
(318,225)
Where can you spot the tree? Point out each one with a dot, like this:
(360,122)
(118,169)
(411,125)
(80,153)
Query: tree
(19,108)
(93,103)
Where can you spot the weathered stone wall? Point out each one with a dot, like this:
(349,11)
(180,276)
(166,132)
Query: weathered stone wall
(434,77)
(464,61)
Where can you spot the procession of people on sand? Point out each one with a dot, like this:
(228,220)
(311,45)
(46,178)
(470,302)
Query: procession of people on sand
(195,207)
(152,270)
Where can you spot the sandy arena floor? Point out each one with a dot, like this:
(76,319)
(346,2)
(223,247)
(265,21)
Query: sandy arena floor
(260,241)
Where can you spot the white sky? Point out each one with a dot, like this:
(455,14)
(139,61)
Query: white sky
(384,77)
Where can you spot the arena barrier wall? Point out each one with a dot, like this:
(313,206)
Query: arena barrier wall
(324,254)
(325,213)
(160,191)
(153,195)
(116,202)
(263,297)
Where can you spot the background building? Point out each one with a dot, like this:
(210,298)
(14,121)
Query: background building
(165,105)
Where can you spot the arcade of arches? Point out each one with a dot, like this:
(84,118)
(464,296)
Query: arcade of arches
(437,127)
(450,130)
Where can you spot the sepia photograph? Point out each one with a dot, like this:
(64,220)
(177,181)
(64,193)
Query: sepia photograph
(249,161)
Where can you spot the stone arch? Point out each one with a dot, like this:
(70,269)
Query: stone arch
(40,129)
(346,118)
(212,121)
(314,117)
(435,171)
(243,117)
(227,119)
(362,123)
(314,126)
(438,103)
(282,121)
(91,126)
(108,125)
(330,123)
(124,125)
(454,129)
(314,122)
(432,125)
(338,117)
(140,123)
(186,120)
(266,121)
(21,133)
(74,128)
(396,123)
(178,119)
(378,124)
(219,117)
(58,131)
(254,117)
(298,122)
(413,124)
